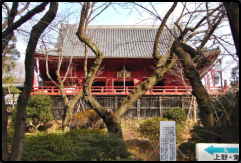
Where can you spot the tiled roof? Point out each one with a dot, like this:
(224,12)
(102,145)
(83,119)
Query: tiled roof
(113,41)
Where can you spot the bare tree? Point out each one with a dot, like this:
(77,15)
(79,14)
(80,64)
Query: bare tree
(88,20)
(18,140)
(113,120)
(180,49)
(68,64)
(197,27)
(68,104)
(212,19)
(9,21)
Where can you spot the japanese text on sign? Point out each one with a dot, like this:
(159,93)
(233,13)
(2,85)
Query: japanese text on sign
(167,141)
(217,152)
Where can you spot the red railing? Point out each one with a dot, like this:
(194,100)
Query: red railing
(120,90)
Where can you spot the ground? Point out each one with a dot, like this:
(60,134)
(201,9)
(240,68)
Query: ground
(140,147)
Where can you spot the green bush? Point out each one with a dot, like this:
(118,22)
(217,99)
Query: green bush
(85,145)
(48,147)
(99,145)
(179,130)
(150,129)
(175,114)
(188,150)
(38,111)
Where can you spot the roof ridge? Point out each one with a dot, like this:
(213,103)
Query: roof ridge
(117,26)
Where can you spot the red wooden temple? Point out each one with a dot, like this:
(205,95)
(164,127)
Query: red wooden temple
(127,50)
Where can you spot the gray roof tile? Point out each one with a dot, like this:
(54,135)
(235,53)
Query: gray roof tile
(113,41)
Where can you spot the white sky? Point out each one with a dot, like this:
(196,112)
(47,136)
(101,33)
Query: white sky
(120,17)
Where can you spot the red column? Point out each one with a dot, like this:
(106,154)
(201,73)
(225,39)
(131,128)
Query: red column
(108,80)
(112,85)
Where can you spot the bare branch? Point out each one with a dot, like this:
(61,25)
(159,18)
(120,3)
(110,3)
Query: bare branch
(100,12)
(8,12)
(23,9)
(198,24)
(47,68)
(211,30)
(156,17)
(156,55)
(23,19)
(70,62)
(193,34)
(208,19)
(6,5)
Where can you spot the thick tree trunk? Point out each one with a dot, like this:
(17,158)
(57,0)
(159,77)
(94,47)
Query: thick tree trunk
(18,141)
(114,126)
(66,118)
(4,129)
(68,109)
(199,91)
(232,9)
(227,128)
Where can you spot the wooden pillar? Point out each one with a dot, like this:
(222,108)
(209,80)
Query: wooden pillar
(194,110)
(183,102)
(138,107)
(160,106)
(116,103)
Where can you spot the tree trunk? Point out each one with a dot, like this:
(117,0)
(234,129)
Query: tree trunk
(232,9)
(6,40)
(228,127)
(4,129)
(198,90)
(37,30)
(114,126)
(85,63)
(67,117)
(36,129)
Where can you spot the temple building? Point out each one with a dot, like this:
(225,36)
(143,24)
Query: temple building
(127,62)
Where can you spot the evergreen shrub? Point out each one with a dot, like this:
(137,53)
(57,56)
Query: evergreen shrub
(150,129)
(188,150)
(38,111)
(99,145)
(48,147)
(85,145)
(175,114)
